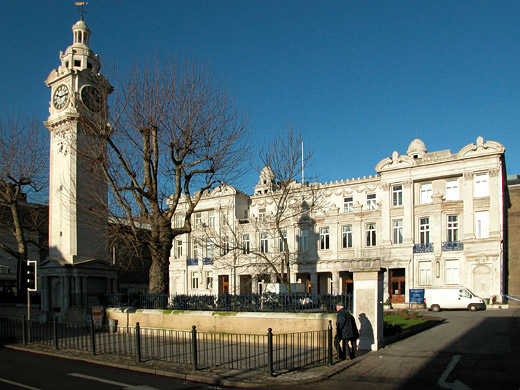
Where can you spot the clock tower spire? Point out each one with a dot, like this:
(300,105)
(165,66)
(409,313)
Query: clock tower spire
(77,191)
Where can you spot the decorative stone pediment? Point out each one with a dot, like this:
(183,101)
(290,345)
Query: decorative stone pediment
(481,148)
(396,162)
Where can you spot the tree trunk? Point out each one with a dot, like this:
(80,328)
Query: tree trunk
(159,269)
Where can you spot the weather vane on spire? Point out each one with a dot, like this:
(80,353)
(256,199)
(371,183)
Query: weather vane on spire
(81,3)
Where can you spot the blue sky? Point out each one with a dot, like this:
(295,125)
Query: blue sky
(359,78)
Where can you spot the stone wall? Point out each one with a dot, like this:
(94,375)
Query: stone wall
(223,322)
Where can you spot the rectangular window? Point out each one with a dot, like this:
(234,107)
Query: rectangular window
(196,249)
(178,248)
(397,228)
(452,190)
(261,214)
(281,245)
(209,279)
(348,204)
(371,202)
(264,243)
(371,234)
(425,273)
(481,185)
(482,224)
(211,219)
(452,272)
(198,220)
(225,245)
(346,237)
(210,247)
(195,280)
(426,193)
(179,220)
(424,230)
(453,228)
(245,244)
(304,240)
(324,238)
(397,195)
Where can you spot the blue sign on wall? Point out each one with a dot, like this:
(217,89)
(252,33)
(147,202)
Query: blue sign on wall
(417,295)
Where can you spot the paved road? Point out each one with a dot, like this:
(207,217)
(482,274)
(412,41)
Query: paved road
(470,350)
(26,371)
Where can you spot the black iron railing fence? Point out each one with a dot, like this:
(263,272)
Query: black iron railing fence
(268,352)
(289,302)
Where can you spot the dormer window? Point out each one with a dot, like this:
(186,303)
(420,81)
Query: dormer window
(77,63)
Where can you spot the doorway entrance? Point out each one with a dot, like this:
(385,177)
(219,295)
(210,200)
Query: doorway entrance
(347,279)
(397,286)
(223,284)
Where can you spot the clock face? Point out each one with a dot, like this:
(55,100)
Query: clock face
(91,98)
(61,97)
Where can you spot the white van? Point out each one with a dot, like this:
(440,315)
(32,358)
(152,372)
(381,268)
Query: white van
(436,299)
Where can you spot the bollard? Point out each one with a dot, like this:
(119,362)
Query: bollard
(137,343)
(92,338)
(329,346)
(55,332)
(270,351)
(194,347)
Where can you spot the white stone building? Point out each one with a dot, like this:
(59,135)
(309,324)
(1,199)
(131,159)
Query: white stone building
(425,220)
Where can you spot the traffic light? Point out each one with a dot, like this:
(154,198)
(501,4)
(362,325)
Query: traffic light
(31,273)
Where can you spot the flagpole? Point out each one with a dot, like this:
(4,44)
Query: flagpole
(303,167)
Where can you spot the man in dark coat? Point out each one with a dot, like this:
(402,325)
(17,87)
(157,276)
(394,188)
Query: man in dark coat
(346,332)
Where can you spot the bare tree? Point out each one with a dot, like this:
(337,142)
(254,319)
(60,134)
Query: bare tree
(291,203)
(23,173)
(174,133)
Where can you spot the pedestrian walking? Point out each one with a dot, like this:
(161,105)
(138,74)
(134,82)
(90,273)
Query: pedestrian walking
(346,333)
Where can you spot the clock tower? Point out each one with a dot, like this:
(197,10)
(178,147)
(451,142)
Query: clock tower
(78,265)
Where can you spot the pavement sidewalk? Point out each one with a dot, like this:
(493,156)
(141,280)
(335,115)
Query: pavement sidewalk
(212,376)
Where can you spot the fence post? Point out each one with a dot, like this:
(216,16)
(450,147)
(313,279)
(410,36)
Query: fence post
(194,347)
(93,338)
(137,342)
(55,332)
(24,330)
(329,347)
(270,351)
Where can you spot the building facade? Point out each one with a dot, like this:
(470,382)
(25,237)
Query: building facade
(427,219)
(513,247)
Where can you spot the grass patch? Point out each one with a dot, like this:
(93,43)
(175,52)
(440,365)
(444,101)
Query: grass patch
(224,313)
(403,322)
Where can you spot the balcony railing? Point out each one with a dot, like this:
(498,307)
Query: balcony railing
(207,261)
(194,261)
(452,246)
(423,248)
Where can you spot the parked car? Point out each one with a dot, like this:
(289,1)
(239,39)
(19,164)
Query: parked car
(437,299)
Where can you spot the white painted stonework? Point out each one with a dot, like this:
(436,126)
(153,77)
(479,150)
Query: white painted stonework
(438,220)
(77,266)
